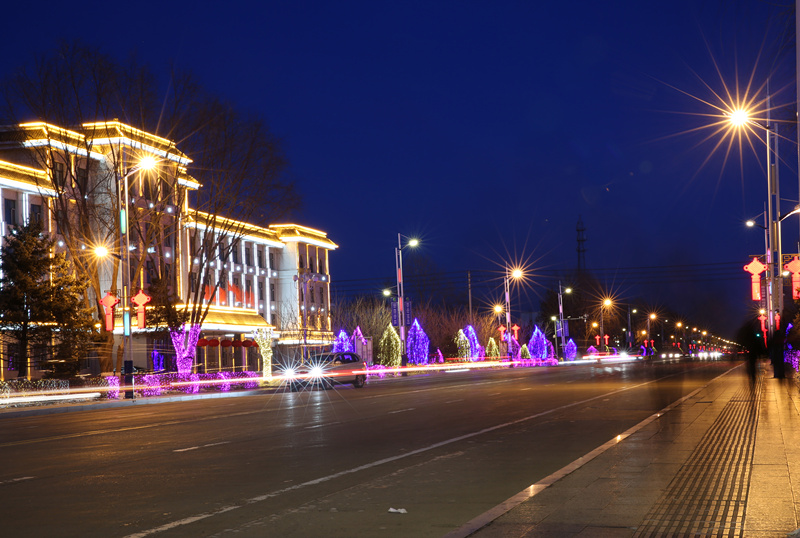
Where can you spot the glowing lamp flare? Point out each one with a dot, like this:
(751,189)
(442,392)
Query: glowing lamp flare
(755,268)
(739,117)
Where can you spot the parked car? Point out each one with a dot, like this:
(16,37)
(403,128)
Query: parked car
(328,369)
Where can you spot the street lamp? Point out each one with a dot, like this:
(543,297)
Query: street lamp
(560,330)
(398,257)
(740,119)
(146,163)
(603,305)
(515,273)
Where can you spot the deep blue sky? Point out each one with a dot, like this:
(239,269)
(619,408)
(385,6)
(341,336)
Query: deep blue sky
(484,128)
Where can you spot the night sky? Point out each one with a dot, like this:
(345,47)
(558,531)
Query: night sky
(487,129)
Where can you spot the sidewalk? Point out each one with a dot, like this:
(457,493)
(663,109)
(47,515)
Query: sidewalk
(723,462)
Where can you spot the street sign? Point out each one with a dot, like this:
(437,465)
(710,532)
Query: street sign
(407,311)
(394,313)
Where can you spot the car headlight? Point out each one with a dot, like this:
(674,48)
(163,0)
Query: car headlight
(289,372)
(316,371)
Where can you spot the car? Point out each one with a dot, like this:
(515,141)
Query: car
(328,369)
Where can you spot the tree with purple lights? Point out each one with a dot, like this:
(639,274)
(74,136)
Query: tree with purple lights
(571,351)
(417,344)
(538,344)
(342,342)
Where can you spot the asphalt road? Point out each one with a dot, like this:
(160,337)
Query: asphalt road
(443,447)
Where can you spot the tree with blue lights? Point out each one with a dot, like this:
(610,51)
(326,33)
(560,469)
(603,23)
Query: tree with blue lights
(417,344)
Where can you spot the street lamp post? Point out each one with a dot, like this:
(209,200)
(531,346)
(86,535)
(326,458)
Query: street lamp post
(145,163)
(398,256)
(603,305)
(561,292)
(516,274)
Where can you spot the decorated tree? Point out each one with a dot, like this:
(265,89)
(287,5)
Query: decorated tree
(342,342)
(571,351)
(492,350)
(263,337)
(462,344)
(538,344)
(389,348)
(417,344)
(475,348)
(524,354)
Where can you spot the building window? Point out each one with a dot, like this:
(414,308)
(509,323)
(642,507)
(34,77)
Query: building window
(260,291)
(321,265)
(260,255)
(148,189)
(271,260)
(248,256)
(58,173)
(312,295)
(248,290)
(36,213)
(311,264)
(10,211)
(272,292)
(300,263)
(193,282)
(82,177)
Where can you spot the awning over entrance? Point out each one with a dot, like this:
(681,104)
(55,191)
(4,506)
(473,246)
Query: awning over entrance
(234,322)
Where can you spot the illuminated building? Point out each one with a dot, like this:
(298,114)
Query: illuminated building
(257,269)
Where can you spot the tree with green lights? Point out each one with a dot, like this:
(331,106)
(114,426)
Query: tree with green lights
(492,350)
(389,348)
(462,343)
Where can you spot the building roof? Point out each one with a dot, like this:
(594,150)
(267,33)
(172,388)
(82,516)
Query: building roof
(116,132)
(24,178)
(295,233)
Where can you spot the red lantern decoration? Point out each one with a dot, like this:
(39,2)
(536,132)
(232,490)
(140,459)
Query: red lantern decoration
(226,343)
(108,303)
(247,343)
(140,299)
(254,344)
(202,342)
(237,343)
(213,342)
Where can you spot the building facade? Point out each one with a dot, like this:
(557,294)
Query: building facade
(90,188)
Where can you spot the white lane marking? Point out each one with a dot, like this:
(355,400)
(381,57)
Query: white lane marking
(321,425)
(509,504)
(203,446)
(495,394)
(15,480)
(531,388)
(260,498)
(401,410)
(454,401)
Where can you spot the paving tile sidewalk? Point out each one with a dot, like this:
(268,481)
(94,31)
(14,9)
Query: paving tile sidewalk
(749,487)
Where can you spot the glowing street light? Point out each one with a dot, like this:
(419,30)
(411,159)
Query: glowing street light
(146,163)
(398,256)
(605,304)
(515,273)
(560,329)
